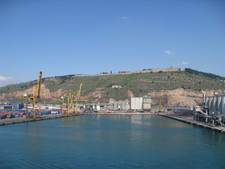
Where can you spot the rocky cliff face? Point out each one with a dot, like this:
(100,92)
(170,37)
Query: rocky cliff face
(179,97)
(45,93)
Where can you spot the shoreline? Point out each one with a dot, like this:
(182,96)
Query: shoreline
(25,120)
(188,120)
(56,116)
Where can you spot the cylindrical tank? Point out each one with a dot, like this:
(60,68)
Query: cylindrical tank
(214,103)
(207,101)
(223,104)
(210,105)
(204,98)
(219,105)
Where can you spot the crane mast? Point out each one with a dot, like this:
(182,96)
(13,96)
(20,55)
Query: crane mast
(33,98)
(37,95)
(79,91)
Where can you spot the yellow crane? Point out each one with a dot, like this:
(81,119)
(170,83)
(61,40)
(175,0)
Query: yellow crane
(34,97)
(71,100)
(79,91)
(78,99)
(67,104)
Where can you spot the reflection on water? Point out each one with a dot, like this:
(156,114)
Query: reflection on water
(110,141)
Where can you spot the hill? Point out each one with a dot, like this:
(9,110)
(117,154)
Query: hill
(100,88)
(210,75)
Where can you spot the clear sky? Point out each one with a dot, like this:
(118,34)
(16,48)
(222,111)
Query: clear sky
(61,37)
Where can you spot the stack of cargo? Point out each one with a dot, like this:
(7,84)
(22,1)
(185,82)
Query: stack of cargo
(18,106)
(6,107)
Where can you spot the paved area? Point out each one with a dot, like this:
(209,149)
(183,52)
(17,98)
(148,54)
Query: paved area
(190,120)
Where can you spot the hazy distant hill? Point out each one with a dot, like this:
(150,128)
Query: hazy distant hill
(119,86)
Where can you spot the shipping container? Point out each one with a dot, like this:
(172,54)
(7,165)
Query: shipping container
(18,106)
(54,112)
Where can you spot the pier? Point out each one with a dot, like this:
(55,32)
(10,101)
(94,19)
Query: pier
(190,120)
(25,120)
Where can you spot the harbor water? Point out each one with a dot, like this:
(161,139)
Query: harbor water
(111,141)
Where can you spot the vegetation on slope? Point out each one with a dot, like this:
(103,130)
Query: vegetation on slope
(210,75)
(139,83)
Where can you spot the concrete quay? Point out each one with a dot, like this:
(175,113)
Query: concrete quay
(190,120)
(24,120)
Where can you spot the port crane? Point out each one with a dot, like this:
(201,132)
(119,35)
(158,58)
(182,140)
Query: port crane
(34,97)
(70,101)
(77,99)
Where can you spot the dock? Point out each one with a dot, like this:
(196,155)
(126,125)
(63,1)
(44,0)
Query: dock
(25,120)
(190,120)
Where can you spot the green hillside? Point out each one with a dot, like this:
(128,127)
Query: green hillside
(210,75)
(139,83)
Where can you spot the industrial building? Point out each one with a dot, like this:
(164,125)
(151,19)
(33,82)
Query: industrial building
(122,105)
(212,111)
(134,104)
(141,103)
(215,104)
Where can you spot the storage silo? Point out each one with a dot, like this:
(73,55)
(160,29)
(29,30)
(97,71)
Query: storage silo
(204,98)
(207,101)
(210,105)
(223,104)
(219,104)
(216,97)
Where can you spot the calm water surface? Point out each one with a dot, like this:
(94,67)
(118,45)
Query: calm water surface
(111,141)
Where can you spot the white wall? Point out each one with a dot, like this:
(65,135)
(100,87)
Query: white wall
(136,103)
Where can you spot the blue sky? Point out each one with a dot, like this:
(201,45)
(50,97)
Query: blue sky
(92,36)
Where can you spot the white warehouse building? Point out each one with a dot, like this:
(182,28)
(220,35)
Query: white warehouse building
(141,103)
